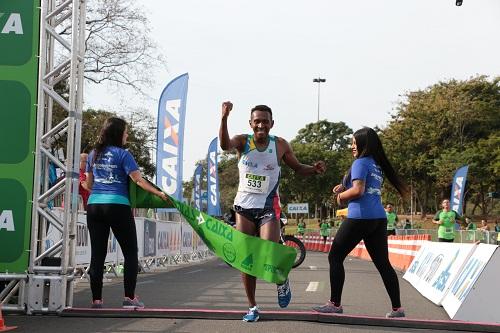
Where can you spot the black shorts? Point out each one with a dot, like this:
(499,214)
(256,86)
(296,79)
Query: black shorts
(258,216)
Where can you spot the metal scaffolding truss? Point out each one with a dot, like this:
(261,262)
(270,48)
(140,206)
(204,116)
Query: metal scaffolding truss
(48,285)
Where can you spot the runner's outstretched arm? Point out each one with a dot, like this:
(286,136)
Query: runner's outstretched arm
(225,142)
(302,169)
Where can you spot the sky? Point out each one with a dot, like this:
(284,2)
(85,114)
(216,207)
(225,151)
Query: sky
(371,52)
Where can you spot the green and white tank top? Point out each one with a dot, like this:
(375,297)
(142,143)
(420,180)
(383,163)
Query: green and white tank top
(259,173)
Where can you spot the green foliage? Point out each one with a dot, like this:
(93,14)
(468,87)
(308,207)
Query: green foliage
(439,129)
(329,136)
(140,142)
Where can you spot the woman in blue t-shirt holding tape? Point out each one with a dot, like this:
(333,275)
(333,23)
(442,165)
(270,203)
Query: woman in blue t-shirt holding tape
(366,219)
(108,168)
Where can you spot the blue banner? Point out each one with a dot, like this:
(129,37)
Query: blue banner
(458,189)
(197,187)
(170,136)
(213,200)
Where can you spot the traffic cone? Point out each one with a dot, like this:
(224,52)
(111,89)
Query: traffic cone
(328,244)
(4,328)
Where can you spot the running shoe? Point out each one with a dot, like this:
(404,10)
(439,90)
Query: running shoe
(329,307)
(284,294)
(399,313)
(252,315)
(96,304)
(132,303)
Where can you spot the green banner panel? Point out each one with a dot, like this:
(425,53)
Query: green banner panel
(261,258)
(19,40)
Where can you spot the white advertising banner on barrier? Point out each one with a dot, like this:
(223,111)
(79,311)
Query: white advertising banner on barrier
(174,243)
(154,239)
(187,238)
(162,232)
(474,295)
(435,266)
(82,250)
(298,208)
(149,249)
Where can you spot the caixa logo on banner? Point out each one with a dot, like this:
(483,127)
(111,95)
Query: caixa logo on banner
(170,148)
(7,220)
(213,180)
(298,208)
(11,24)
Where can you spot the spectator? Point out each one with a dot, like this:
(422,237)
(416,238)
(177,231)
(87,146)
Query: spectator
(471,228)
(470,224)
(366,220)
(407,224)
(484,226)
(109,167)
(82,187)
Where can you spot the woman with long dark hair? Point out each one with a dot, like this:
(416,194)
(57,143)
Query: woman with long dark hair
(366,219)
(108,168)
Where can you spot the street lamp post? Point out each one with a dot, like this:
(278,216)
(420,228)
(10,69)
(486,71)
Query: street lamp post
(319,80)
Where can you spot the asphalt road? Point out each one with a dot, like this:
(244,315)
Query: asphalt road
(214,285)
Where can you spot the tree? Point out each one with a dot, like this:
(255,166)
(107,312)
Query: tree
(139,140)
(435,130)
(330,136)
(118,47)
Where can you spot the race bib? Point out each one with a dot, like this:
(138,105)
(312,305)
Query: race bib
(254,183)
(448,230)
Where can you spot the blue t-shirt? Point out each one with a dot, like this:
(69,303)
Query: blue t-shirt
(111,171)
(369,205)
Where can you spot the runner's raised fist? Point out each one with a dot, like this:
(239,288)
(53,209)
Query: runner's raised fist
(226,108)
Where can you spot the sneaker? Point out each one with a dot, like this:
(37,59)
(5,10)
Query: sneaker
(96,304)
(132,303)
(329,307)
(284,294)
(252,315)
(399,313)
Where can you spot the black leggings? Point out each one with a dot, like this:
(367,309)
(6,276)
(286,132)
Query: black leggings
(374,234)
(100,218)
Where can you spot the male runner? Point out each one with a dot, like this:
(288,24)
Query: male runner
(257,202)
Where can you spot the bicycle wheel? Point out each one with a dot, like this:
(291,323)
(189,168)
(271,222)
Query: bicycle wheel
(301,249)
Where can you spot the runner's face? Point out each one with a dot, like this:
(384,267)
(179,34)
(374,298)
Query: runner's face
(446,204)
(354,148)
(261,123)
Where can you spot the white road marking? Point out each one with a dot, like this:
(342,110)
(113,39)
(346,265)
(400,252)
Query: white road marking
(313,286)
(195,271)
(313,268)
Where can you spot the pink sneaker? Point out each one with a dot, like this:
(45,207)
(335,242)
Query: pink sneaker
(329,307)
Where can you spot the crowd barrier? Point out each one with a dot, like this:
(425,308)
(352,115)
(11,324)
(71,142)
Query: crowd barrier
(460,277)
(402,249)
(160,243)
